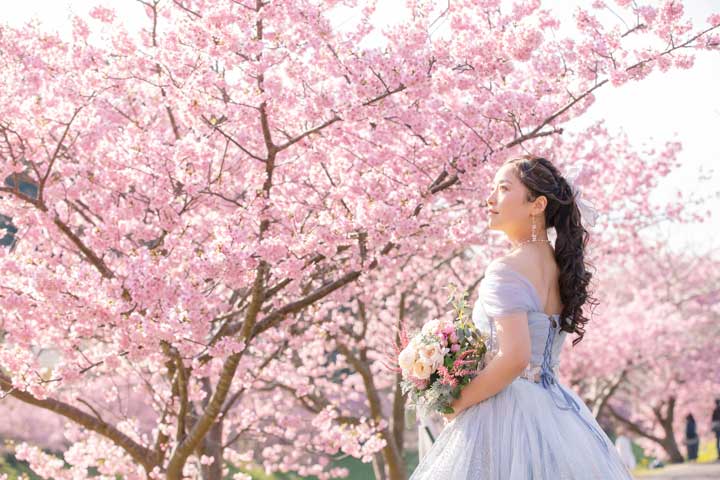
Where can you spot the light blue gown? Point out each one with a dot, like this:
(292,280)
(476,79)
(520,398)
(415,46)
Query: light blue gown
(535,428)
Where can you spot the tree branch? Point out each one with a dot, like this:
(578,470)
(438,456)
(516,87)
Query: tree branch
(184,449)
(633,427)
(276,316)
(140,454)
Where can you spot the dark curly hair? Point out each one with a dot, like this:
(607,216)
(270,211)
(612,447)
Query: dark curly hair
(541,177)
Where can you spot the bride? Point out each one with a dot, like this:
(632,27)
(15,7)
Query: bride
(515,420)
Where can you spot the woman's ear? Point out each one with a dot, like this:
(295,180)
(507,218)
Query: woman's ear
(539,204)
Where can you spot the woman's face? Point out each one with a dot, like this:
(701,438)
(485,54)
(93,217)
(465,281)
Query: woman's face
(508,208)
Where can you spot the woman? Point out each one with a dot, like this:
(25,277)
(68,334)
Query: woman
(514,420)
(692,441)
(623,445)
(715,426)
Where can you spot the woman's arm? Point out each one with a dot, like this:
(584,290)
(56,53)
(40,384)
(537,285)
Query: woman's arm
(513,356)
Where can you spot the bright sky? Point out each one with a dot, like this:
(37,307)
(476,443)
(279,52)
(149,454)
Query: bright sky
(680,104)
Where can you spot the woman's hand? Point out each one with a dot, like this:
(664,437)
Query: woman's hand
(449,417)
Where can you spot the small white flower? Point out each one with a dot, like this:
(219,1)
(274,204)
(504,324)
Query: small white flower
(430,327)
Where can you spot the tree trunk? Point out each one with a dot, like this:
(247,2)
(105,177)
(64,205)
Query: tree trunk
(395,463)
(669,443)
(671,448)
(379,467)
(213,449)
(396,468)
(397,419)
(606,393)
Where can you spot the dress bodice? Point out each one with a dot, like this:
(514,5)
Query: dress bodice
(504,290)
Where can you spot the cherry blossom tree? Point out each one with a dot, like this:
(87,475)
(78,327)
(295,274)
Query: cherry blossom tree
(651,358)
(193,204)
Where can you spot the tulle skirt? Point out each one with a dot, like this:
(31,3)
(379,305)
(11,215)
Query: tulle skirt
(524,432)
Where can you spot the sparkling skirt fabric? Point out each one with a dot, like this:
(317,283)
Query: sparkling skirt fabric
(520,434)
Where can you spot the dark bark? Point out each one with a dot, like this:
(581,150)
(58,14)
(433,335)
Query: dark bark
(668,441)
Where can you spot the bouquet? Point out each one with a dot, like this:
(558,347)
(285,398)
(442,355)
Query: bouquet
(441,359)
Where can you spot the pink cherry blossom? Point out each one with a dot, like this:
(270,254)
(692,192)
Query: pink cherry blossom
(224,217)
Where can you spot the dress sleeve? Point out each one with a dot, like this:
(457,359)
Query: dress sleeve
(503,291)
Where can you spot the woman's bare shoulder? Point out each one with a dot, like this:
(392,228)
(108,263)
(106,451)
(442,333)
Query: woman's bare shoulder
(525,262)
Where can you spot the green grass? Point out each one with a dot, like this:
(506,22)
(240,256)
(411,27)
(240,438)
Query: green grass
(358,470)
(15,470)
(707,453)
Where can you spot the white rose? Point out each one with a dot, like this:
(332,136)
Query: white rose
(438,358)
(407,357)
(422,369)
(429,351)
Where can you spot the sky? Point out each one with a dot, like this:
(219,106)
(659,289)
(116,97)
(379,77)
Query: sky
(682,105)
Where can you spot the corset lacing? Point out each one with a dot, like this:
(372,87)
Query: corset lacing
(547,375)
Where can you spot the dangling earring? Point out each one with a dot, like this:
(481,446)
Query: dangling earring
(534,229)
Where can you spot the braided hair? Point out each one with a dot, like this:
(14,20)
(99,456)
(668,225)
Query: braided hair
(541,177)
